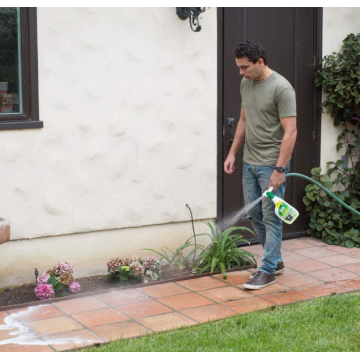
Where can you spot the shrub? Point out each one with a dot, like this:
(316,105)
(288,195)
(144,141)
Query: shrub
(58,279)
(329,220)
(340,79)
(134,268)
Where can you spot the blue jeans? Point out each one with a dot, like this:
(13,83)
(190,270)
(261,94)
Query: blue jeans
(267,225)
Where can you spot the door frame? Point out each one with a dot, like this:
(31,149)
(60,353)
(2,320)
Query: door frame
(318,25)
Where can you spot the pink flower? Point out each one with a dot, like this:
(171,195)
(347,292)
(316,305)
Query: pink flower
(44,291)
(63,267)
(74,287)
(43,279)
(115,263)
(138,269)
(151,263)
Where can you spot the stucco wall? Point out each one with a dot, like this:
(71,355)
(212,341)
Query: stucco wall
(128,100)
(128,97)
(89,252)
(337,23)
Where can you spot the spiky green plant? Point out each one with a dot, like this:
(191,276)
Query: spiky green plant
(222,253)
(176,257)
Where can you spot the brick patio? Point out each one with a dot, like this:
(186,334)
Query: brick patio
(313,269)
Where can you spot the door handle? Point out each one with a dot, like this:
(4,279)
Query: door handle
(231,129)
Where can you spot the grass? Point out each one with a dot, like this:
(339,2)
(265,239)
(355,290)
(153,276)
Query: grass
(325,324)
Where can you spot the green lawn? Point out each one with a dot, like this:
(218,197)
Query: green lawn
(326,324)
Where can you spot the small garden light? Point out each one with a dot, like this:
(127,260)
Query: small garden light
(36,272)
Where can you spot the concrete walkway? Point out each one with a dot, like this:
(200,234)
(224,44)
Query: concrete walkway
(313,269)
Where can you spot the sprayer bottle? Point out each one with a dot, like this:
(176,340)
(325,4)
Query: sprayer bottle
(283,210)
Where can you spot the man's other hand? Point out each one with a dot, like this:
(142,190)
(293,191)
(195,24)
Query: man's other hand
(276,180)
(229,164)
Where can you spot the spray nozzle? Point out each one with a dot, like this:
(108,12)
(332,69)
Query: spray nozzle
(270,195)
(268,191)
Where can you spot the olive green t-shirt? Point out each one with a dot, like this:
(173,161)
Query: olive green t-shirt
(265,103)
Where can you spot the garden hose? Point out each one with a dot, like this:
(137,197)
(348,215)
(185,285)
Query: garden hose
(326,190)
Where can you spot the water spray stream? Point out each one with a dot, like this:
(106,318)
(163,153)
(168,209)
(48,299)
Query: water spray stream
(234,217)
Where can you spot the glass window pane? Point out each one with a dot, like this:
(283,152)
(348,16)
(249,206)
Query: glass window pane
(10,61)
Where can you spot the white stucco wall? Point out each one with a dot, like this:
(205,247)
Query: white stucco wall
(337,23)
(128,97)
(90,252)
(128,100)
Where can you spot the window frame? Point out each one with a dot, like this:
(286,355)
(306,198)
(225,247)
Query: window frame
(29,62)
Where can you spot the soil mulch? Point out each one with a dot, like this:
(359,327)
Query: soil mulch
(25,293)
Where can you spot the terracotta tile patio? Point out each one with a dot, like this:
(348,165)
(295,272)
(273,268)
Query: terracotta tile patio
(313,269)
(185,301)
(207,313)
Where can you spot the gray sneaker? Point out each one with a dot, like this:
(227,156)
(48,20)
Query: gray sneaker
(261,280)
(279,269)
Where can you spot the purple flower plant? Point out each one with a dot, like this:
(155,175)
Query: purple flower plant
(152,263)
(74,287)
(44,291)
(137,269)
(63,267)
(43,279)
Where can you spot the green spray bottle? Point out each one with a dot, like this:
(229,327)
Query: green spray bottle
(283,210)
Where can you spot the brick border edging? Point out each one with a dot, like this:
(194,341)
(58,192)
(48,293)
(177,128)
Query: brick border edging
(92,293)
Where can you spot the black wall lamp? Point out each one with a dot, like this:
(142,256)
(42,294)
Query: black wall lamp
(193,14)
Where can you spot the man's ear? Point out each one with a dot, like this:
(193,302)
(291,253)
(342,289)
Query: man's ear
(261,62)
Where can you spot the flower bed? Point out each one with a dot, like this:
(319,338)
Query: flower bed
(221,254)
(25,293)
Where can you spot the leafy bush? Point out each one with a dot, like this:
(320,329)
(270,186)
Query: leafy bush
(340,79)
(223,252)
(329,220)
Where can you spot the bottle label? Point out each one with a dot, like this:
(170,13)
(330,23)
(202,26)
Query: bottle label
(286,212)
(283,209)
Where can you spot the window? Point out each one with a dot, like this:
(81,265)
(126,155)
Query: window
(19,104)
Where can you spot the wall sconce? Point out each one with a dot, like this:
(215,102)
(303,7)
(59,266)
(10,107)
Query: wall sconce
(193,14)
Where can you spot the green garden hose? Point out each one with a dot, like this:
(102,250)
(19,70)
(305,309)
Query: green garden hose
(326,190)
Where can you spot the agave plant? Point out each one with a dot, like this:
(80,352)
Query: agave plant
(222,253)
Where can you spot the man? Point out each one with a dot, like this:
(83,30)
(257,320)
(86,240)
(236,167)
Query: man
(268,126)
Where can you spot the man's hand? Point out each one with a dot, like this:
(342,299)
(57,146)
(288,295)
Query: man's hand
(229,164)
(276,179)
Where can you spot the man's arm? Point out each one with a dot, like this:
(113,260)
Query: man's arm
(286,149)
(239,138)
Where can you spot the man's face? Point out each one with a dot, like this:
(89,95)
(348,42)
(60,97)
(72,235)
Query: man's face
(249,70)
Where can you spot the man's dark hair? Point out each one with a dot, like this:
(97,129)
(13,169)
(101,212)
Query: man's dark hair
(252,50)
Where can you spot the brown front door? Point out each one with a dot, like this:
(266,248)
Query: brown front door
(291,39)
